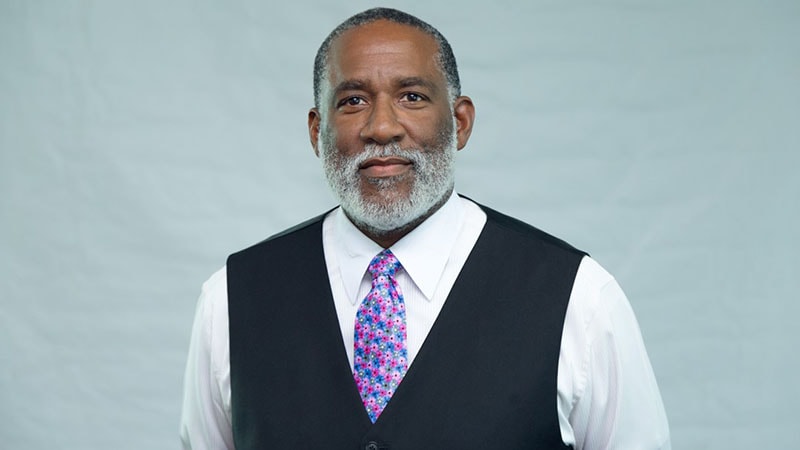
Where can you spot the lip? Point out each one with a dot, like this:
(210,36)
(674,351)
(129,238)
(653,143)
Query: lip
(384,167)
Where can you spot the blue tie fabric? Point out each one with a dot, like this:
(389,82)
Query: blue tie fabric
(380,359)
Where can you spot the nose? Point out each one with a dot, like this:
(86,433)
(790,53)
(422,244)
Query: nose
(382,126)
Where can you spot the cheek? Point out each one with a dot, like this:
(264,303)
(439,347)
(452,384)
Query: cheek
(345,136)
(437,132)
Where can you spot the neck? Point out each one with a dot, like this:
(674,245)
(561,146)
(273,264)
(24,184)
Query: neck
(387,238)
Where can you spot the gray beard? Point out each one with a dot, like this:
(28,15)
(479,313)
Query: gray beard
(433,171)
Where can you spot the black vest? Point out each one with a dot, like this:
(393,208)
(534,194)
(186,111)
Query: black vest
(485,378)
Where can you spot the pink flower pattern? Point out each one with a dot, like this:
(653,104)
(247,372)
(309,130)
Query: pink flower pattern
(380,357)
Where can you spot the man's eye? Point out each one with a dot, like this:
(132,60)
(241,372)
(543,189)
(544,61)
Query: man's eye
(351,101)
(413,97)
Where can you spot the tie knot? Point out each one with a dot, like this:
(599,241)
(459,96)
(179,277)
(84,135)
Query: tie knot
(384,263)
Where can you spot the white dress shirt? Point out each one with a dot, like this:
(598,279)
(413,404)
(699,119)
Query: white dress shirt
(607,393)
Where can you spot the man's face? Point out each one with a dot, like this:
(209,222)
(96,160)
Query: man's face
(387,132)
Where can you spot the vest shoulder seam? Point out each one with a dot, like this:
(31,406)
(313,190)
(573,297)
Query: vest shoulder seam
(314,221)
(526,230)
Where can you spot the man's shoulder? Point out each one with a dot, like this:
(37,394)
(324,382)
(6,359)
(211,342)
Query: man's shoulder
(308,231)
(523,231)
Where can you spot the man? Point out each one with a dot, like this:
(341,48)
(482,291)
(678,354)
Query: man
(411,317)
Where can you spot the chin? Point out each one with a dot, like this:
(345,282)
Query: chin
(390,211)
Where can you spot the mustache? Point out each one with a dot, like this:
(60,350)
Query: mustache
(386,151)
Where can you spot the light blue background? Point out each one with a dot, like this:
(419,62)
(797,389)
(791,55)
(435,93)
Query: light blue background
(142,142)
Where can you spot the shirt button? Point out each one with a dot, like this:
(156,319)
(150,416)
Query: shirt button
(371,446)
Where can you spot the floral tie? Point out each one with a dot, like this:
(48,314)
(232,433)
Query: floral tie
(381,357)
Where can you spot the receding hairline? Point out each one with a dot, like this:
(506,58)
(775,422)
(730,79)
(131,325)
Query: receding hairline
(335,49)
(443,55)
(337,39)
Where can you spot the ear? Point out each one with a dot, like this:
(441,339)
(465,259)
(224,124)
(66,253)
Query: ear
(464,112)
(313,129)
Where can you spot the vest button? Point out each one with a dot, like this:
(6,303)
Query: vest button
(371,446)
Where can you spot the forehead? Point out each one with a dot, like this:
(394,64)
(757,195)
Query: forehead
(383,48)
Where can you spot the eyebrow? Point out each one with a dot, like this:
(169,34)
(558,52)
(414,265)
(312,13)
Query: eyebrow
(358,84)
(350,85)
(416,81)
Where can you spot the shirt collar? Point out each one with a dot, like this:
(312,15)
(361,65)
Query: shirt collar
(423,252)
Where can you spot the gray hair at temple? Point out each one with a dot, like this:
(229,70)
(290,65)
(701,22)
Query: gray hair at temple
(446,59)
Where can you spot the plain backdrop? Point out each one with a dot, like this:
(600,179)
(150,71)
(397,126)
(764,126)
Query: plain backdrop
(142,142)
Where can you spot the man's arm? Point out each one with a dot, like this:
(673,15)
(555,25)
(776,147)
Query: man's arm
(205,419)
(609,396)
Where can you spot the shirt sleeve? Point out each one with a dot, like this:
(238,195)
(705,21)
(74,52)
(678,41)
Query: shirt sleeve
(205,419)
(608,393)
